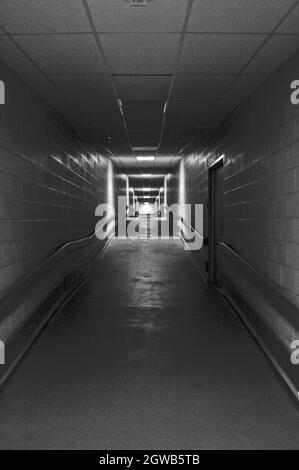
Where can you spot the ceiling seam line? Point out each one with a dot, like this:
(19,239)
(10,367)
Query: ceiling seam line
(103,56)
(42,72)
(240,73)
(48,79)
(32,61)
(259,49)
(177,59)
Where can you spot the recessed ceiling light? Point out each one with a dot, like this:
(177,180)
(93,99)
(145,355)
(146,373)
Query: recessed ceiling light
(146,175)
(145,159)
(146,189)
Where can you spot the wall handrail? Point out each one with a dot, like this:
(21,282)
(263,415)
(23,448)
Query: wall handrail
(187,224)
(266,286)
(12,294)
(28,305)
(273,340)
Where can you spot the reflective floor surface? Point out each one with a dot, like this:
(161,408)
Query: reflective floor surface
(146,356)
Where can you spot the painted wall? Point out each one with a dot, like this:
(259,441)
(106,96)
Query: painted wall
(260,144)
(50,184)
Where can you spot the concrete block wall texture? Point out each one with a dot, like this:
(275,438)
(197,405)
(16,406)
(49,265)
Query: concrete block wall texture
(50,184)
(260,144)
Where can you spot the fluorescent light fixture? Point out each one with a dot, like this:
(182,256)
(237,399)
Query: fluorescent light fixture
(146,175)
(165,107)
(120,106)
(145,158)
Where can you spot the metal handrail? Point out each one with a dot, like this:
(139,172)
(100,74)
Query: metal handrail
(192,228)
(267,287)
(12,295)
(273,342)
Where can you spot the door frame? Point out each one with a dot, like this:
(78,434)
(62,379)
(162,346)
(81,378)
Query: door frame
(211,182)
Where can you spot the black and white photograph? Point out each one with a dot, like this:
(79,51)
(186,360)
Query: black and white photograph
(149,232)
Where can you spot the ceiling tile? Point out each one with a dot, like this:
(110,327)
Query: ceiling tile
(290,25)
(243,16)
(199,87)
(87,89)
(103,118)
(118,145)
(212,53)
(64,54)
(240,90)
(142,87)
(13,57)
(43,16)
(181,117)
(144,116)
(48,92)
(143,107)
(144,138)
(277,50)
(143,64)
(157,16)
(168,147)
(143,123)
(177,138)
(211,113)
(140,54)
(93,103)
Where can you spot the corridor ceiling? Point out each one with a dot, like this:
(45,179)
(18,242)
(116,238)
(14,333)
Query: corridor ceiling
(146,79)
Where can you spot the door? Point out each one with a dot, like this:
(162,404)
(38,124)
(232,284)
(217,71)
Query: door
(216,195)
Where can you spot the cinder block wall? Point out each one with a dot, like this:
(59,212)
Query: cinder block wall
(50,184)
(260,144)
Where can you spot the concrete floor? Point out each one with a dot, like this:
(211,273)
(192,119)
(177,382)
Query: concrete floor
(146,356)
